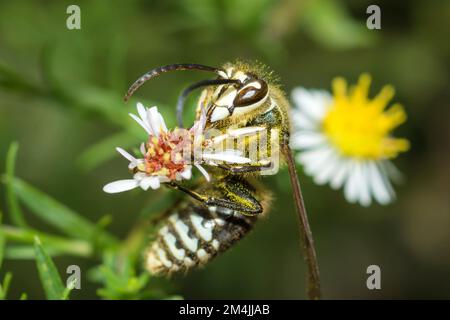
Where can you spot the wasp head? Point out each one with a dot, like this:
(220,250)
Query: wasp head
(239,89)
(238,98)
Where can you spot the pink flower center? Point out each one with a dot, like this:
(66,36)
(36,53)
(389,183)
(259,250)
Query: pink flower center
(164,156)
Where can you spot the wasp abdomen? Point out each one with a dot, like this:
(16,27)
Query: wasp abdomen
(193,235)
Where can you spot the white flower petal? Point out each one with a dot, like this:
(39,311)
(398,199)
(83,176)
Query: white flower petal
(142,149)
(378,188)
(385,174)
(307,139)
(329,169)
(351,188)
(392,172)
(150,182)
(364,185)
(154,119)
(142,111)
(162,123)
(202,120)
(312,102)
(139,176)
(203,171)
(313,159)
(187,173)
(301,122)
(126,155)
(341,174)
(136,163)
(357,187)
(155,183)
(120,186)
(163,179)
(195,129)
(141,123)
(199,125)
(321,161)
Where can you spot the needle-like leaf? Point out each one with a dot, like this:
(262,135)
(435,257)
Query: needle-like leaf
(60,216)
(11,198)
(50,279)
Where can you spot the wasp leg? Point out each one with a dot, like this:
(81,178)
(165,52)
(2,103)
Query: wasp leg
(238,197)
(246,168)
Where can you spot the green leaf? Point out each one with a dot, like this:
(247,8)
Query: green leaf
(50,279)
(24,296)
(4,287)
(2,242)
(11,198)
(60,216)
(118,276)
(55,245)
(26,252)
(68,289)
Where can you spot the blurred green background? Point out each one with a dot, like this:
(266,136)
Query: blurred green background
(61,99)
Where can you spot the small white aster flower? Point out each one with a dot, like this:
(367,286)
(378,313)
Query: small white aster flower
(162,154)
(344,139)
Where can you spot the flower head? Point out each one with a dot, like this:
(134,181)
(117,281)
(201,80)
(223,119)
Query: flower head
(167,155)
(345,138)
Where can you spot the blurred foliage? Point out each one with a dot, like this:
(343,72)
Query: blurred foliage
(61,100)
(85,239)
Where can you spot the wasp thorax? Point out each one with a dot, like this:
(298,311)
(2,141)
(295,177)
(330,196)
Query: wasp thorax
(237,99)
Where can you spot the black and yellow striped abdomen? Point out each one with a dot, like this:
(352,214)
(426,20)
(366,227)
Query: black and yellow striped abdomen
(193,233)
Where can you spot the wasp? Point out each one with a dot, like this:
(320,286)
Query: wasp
(241,98)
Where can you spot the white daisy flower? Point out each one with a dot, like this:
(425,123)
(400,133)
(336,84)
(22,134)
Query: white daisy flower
(162,155)
(344,139)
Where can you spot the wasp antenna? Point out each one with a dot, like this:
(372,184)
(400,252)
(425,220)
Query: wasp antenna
(160,70)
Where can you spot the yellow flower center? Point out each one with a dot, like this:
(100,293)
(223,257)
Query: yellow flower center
(360,127)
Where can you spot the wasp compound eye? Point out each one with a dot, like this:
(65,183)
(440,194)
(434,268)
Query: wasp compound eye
(251,93)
